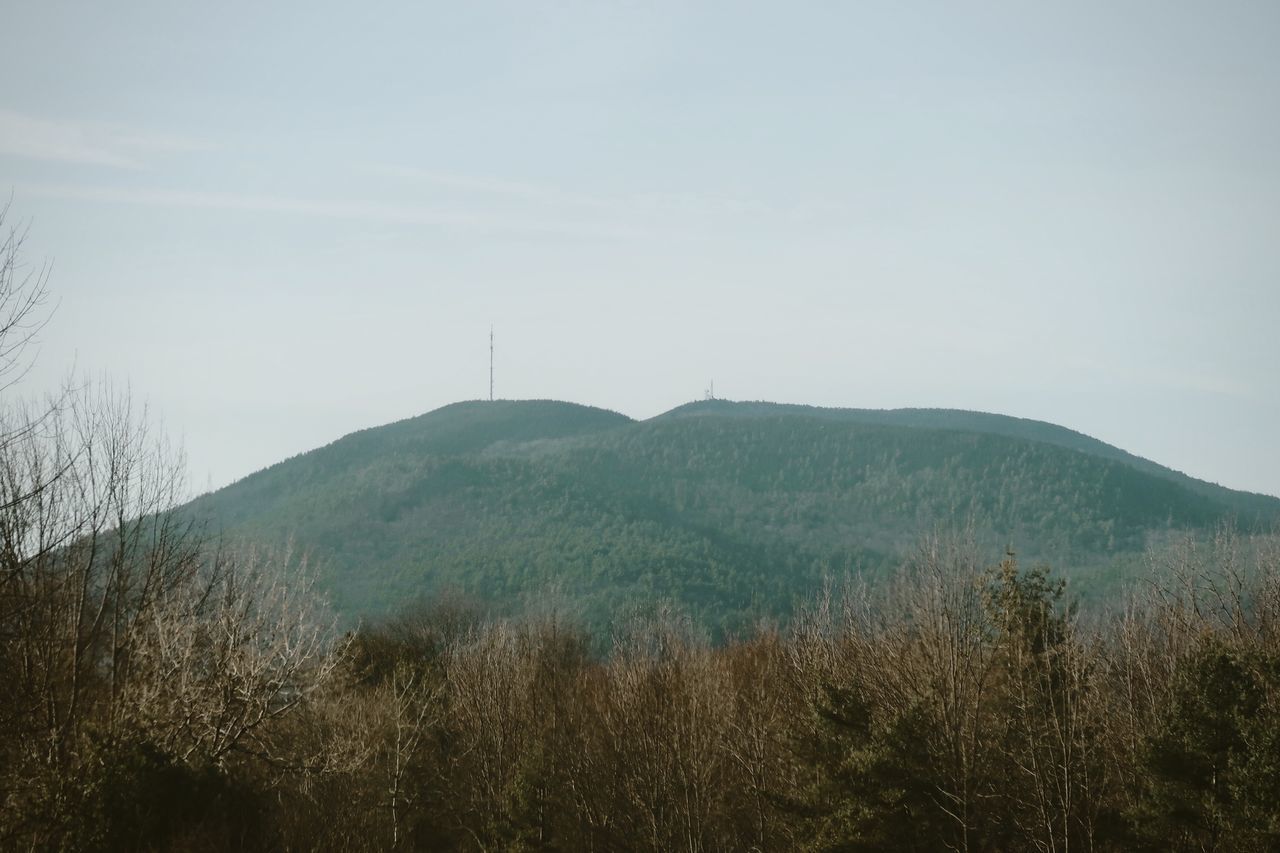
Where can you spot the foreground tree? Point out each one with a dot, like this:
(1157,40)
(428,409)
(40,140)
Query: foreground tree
(144,666)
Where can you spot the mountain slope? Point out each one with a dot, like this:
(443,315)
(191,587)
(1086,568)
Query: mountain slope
(732,509)
(1247,503)
(454,430)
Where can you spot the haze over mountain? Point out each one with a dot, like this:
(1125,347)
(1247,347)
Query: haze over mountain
(732,509)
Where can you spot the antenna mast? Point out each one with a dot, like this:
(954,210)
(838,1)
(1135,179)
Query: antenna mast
(491,363)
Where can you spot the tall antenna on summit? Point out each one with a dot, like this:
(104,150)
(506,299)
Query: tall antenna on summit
(490,363)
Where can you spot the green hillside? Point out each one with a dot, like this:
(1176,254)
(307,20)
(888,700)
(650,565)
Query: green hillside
(1246,503)
(732,509)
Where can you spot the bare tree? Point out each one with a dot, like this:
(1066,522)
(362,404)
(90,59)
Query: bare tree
(933,649)
(227,654)
(23,295)
(119,622)
(413,705)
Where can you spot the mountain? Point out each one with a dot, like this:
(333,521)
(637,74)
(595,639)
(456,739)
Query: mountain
(1247,503)
(732,509)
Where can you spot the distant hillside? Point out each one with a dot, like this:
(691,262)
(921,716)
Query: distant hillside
(733,509)
(1247,503)
(459,429)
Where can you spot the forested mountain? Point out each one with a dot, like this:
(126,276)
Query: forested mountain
(731,509)
(1247,503)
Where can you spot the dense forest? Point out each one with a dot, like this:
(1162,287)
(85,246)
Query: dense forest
(733,510)
(167,693)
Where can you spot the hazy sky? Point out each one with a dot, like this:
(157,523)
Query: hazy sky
(284,222)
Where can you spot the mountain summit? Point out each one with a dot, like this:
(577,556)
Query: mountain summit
(732,509)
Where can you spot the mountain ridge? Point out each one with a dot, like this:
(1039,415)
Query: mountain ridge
(734,510)
(977,421)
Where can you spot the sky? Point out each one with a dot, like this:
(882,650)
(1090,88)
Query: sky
(282,222)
